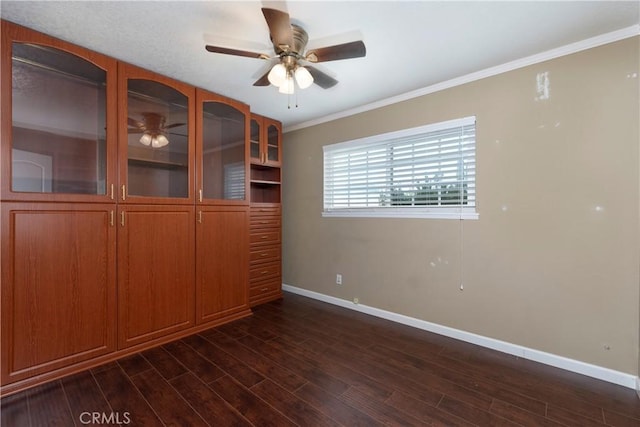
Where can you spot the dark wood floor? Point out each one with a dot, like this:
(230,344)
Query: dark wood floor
(303,362)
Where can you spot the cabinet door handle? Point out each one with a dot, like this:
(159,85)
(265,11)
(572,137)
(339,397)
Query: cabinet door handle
(124,192)
(112,194)
(122,218)
(200,217)
(200,194)
(111,217)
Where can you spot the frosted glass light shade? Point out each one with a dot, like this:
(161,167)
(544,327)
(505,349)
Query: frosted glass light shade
(145,139)
(303,77)
(277,75)
(159,141)
(288,86)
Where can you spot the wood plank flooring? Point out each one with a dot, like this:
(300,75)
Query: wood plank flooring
(306,363)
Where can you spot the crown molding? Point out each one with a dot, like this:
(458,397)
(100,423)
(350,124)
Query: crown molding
(568,49)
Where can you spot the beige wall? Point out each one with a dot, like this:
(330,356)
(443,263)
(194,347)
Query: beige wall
(552,263)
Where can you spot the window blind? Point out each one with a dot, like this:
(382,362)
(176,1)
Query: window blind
(421,169)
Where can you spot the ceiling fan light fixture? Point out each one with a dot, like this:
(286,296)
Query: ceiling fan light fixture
(278,75)
(303,77)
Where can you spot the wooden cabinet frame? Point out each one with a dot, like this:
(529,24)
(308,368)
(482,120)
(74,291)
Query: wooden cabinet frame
(14,33)
(100,226)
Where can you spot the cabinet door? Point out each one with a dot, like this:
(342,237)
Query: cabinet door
(272,143)
(221,152)
(157,134)
(58,286)
(222,262)
(265,141)
(156,271)
(58,127)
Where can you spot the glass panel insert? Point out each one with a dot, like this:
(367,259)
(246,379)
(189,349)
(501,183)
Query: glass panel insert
(158,141)
(273,143)
(255,139)
(223,148)
(58,122)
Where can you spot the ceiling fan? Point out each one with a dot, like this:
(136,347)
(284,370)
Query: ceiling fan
(153,129)
(289,42)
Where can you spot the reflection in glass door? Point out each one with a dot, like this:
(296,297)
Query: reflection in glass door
(58,122)
(158,140)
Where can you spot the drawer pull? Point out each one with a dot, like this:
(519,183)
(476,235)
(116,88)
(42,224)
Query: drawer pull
(264,237)
(264,222)
(264,254)
(264,289)
(265,272)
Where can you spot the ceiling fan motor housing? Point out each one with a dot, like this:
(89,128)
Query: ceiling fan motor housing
(300,39)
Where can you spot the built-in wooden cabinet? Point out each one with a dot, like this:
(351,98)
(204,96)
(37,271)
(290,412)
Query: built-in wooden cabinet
(131,206)
(265,275)
(58,286)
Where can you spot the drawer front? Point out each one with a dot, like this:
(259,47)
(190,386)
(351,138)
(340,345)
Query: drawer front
(271,211)
(264,288)
(264,271)
(266,254)
(258,222)
(267,236)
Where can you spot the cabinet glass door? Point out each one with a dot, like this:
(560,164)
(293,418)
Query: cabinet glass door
(254,141)
(273,144)
(223,151)
(58,122)
(158,140)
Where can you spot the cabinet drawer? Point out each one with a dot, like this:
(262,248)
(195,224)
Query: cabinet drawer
(264,288)
(258,222)
(269,253)
(264,271)
(267,236)
(266,211)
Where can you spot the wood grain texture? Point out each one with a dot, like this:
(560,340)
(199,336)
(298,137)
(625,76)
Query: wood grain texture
(306,363)
(222,242)
(155,285)
(58,264)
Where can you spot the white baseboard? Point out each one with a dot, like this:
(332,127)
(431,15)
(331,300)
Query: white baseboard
(594,371)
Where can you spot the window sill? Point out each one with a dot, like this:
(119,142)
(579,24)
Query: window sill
(444,213)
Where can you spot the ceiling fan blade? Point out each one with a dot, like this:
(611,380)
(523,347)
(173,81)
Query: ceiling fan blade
(134,123)
(174,125)
(236,52)
(340,51)
(279,27)
(263,81)
(320,78)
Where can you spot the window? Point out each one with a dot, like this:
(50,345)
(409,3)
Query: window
(424,172)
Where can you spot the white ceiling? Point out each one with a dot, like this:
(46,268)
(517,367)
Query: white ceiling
(410,45)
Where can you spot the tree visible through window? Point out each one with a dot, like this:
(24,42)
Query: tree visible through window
(425,171)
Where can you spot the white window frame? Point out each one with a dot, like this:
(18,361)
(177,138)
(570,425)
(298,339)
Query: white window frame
(458,211)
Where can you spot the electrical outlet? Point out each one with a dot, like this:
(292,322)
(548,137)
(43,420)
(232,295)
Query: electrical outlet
(338,279)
